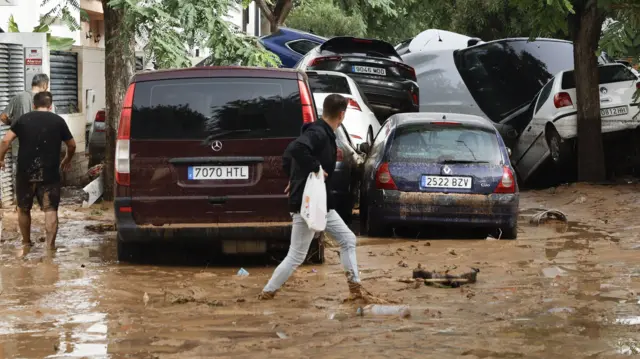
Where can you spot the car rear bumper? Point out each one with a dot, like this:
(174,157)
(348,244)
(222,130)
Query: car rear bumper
(396,95)
(275,235)
(493,210)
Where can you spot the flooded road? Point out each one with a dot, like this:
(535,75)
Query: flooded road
(559,291)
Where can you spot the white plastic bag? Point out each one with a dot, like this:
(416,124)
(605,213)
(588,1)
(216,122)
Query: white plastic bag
(314,202)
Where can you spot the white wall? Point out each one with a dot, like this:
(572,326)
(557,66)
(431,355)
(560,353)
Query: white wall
(27,18)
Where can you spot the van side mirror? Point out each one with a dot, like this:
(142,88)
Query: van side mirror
(364,147)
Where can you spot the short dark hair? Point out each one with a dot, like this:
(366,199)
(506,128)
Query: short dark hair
(333,105)
(42,99)
(40,80)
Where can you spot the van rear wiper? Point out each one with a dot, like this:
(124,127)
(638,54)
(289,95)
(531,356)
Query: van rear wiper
(461,161)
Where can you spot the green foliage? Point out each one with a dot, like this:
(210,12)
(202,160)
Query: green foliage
(62,10)
(312,16)
(55,43)
(171,27)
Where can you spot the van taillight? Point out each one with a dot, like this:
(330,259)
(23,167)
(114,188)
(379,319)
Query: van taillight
(562,99)
(100,116)
(384,179)
(99,121)
(305,99)
(123,167)
(507,183)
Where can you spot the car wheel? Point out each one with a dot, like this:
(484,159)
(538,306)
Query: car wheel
(129,252)
(315,255)
(509,233)
(560,149)
(370,136)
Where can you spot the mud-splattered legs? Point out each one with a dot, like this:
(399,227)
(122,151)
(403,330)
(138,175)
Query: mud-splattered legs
(24,222)
(51,227)
(347,241)
(301,237)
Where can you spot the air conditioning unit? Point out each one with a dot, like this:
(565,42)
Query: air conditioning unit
(9,2)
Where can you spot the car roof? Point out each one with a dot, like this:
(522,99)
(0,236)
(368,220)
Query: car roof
(217,71)
(407,119)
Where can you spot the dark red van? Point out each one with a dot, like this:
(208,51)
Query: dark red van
(198,157)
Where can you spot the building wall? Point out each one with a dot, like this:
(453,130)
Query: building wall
(27,17)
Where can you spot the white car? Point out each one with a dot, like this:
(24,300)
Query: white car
(552,129)
(360,121)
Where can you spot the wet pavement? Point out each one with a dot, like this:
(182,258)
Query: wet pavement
(559,291)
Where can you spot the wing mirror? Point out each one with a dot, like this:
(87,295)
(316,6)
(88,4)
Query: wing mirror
(364,148)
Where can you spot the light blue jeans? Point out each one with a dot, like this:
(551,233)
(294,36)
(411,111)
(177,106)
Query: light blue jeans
(301,237)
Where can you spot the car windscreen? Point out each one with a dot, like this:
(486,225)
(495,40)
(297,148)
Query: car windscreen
(321,83)
(210,108)
(503,76)
(434,143)
(607,74)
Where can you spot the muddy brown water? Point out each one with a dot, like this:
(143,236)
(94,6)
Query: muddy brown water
(557,292)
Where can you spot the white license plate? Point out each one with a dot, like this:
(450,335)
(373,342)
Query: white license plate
(446,182)
(218,172)
(369,70)
(614,111)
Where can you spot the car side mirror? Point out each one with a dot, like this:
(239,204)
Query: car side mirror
(364,147)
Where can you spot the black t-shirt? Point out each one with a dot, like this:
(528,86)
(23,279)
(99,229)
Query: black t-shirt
(41,134)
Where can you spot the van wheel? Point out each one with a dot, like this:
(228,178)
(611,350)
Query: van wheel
(316,251)
(509,233)
(370,136)
(129,252)
(561,151)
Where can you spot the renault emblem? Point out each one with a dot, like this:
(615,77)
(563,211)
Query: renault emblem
(603,90)
(216,146)
(446,170)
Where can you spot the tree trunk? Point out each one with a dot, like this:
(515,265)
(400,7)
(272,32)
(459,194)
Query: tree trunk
(119,67)
(586,27)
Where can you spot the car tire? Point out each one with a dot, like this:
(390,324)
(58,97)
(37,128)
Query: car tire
(509,233)
(315,255)
(560,150)
(129,252)
(370,136)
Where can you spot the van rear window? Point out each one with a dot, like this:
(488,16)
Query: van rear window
(211,108)
(608,74)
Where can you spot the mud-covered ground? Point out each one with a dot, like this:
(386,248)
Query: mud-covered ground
(556,292)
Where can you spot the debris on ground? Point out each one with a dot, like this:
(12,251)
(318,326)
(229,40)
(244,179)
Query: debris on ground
(242,273)
(100,227)
(191,295)
(145,299)
(443,279)
(384,310)
(94,189)
(547,214)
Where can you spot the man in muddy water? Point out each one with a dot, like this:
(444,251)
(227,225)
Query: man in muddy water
(41,134)
(315,147)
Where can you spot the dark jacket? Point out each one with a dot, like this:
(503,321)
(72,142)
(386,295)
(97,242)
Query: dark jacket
(315,147)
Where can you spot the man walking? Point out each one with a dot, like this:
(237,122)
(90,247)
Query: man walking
(314,148)
(41,134)
(23,101)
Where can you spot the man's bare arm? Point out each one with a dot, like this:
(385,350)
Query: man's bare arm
(4,118)
(5,145)
(71,150)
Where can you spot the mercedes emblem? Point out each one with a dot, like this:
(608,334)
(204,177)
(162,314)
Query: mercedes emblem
(446,170)
(216,146)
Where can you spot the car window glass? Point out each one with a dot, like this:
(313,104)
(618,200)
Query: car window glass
(435,143)
(607,74)
(211,108)
(504,76)
(302,46)
(321,83)
(345,133)
(364,97)
(544,95)
(381,137)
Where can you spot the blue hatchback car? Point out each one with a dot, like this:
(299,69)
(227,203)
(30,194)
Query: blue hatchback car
(439,169)
(291,45)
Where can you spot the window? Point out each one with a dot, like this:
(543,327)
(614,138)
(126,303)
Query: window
(302,46)
(607,74)
(506,75)
(544,95)
(320,83)
(207,109)
(437,143)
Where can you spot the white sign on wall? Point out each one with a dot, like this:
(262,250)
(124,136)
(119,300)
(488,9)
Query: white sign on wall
(32,64)
(9,2)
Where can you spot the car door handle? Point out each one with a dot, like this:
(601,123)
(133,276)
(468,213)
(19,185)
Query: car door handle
(217,200)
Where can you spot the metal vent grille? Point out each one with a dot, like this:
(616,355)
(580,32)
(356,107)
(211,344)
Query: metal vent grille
(11,82)
(64,81)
